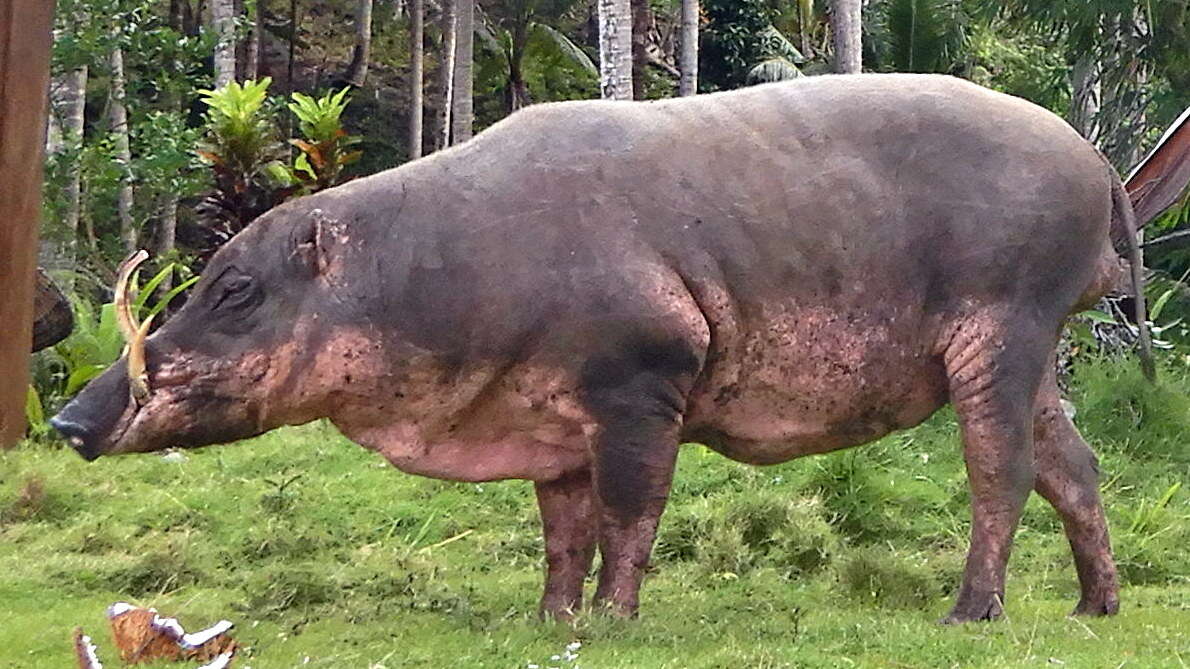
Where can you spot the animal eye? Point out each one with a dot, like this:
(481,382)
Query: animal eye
(234,292)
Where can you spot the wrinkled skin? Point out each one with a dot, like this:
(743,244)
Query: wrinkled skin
(775,272)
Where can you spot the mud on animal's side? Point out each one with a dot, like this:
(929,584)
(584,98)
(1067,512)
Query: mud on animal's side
(571,293)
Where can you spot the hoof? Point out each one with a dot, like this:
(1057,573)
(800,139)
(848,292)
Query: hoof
(1108,605)
(560,609)
(975,608)
(616,610)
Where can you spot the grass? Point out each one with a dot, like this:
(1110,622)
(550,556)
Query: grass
(327,557)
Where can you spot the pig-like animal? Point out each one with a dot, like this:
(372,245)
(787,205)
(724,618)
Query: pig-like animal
(774,272)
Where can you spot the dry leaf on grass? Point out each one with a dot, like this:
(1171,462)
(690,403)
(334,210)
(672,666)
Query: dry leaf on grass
(142,635)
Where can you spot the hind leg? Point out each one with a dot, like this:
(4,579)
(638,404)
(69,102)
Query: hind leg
(1067,477)
(995,368)
(570,526)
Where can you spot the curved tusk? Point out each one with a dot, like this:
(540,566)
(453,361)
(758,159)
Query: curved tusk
(134,333)
(124,316)
(138,378)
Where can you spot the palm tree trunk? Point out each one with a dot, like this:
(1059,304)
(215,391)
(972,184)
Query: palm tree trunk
(255,43)
(805,11)
(167,235)
(68,100)
(463,112)
(223,22)
(847,29)
(118,116)
(416,74)
(688,55)
(446,69)
(615,49)
(1086,94)
(357,72)
(640,46)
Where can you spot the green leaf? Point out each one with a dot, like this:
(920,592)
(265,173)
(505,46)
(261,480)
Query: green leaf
(34,412)
(280,173)
(146,291)
(1155,310)
(1099,317)
(168,297)
(546,35)
(301,164)
(81,376)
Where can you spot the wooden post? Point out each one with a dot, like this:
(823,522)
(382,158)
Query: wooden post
(25,40)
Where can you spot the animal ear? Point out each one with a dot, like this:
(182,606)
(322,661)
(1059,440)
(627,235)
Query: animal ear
(309,245)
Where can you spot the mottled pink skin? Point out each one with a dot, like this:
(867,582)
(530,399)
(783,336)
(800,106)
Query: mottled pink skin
(507,310)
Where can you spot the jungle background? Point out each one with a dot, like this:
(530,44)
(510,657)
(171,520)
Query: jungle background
(173,124)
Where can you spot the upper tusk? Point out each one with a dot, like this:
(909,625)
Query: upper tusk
(125,319)
(138,377)
(134,333)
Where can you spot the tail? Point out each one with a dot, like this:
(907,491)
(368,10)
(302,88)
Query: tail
(1125,219)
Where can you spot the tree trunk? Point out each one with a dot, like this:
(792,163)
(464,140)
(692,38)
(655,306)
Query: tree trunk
(223,21)
(177,15)
(167,235)
(462,106)
(615,49)
(1085,96)
(416,74)
(847,29)
(688,56)
(446,69)
(118,115)
(25,40)
(292,45)
(640,46)
(518,90)
(255,43)
(804,17)
(68,99)
(357,72)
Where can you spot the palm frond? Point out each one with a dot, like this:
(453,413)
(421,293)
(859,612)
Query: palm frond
(775,44)
(543,35)
(773,69)
(923,35)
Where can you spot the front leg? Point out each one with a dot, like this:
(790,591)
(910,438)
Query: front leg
(570,525)
(635,453)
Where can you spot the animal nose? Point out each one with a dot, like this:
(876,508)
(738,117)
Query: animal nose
(77,435)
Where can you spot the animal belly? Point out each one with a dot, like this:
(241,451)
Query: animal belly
(810,384)
(521,424)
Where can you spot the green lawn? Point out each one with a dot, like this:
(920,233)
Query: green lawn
(319,550)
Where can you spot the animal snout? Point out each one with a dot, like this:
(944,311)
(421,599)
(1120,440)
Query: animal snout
(78,436)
